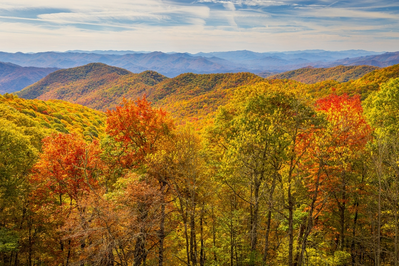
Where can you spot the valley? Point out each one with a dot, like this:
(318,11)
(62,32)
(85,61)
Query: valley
(103,166)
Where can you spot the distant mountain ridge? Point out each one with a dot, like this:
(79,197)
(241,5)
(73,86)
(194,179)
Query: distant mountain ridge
(15,78)
(174,64)
(170,65)
(381,60)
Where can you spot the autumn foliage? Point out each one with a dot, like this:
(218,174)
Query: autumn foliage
(67,166)
(138,127)
(276,176)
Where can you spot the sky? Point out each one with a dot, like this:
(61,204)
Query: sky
(198,25)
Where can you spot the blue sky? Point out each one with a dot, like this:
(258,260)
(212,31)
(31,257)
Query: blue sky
(198,25)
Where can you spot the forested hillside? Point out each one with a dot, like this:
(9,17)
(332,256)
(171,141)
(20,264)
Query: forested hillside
(279,173)
(75,81)
(187,96)
(312,75)
(102,87)
(362,86)
(53,115)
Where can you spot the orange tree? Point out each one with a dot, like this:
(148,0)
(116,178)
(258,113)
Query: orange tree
(66,171)
(136,133)
(334,177)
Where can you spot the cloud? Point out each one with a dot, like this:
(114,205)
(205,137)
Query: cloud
(331,12)
(118,12)
(202,25)
(244,2)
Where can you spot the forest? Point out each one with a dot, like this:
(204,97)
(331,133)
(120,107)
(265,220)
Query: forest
(272,173)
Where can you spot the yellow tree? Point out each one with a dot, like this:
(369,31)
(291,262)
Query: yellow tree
(258,135)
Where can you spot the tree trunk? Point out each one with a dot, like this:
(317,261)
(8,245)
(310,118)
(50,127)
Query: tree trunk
(379,223)
(193,240)
(214,235)
(310,220)
(269,218)
(202,251)
(354,235)
(161,232)
(342,220)
(290,225)
(139,250)
(396,233)
(255,214)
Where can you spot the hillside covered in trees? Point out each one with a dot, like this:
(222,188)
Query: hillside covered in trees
(278,172)
(103,87)
(188,96)
(312,75)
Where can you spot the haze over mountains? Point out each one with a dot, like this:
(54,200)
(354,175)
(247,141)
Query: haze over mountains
(15,78)
(24,69)
(173,64)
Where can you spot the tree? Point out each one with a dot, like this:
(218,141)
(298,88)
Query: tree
(139,131)
(382,112)
(67,170)
(330,162)
(17,155)
(258,134)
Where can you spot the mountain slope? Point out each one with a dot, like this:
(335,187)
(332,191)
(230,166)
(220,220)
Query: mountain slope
(68,83)
(196,95)
(15,78)
(101,87)
(362,86)
(52,116)
(186,96)
(311,75)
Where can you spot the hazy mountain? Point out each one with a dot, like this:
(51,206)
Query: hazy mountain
(15,78)
(381,60)
(167,64)
(174,64)
(265,74)
(309,55)
(111,52)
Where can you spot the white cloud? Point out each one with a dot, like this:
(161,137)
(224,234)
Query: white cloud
(332,12)
(104,10)
(245,2)
(242,24)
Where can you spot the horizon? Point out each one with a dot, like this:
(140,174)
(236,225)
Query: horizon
(183,52)
(199,25)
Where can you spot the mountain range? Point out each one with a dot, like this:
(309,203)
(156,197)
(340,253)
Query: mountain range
(174,64)
(102,87)
(15,78)
(189,96)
